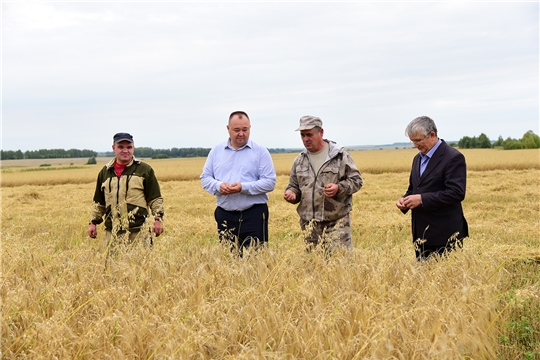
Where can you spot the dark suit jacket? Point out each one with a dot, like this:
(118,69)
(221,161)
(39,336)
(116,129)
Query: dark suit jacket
(442,186)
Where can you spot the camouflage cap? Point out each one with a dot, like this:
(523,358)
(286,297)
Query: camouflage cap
(308,122)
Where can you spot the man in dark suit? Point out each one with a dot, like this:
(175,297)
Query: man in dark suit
(436,189)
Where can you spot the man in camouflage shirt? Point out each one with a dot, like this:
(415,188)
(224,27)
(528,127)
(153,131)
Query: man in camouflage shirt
(322,181)
(126,192)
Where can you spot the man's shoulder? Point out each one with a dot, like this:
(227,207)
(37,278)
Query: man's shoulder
(109,165)
(258,149)
(334,148)
(337,150)
(444,148)
(103,173)
(302,154)
(141,166)
(222,146)
(254,145)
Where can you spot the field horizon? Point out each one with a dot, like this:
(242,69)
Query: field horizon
(57,171)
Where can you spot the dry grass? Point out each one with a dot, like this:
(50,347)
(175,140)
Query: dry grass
(189,298)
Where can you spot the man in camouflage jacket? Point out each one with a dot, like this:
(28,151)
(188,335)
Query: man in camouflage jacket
(322,181)
(126,189)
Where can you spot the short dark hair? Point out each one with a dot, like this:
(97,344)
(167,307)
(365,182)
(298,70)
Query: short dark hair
(238,113)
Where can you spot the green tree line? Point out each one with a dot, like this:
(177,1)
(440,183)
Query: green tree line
(529,141)
(46,154)
(141,152)
(146,152)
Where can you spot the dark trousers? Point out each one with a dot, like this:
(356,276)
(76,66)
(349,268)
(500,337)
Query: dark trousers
(243,228)
(424,252)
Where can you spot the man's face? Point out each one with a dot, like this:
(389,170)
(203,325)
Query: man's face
(238,128)
(123,151)
(424,143)
(312,139)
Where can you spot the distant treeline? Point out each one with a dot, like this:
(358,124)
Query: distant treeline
(146,152)
(46,154)
(529,141)
(141,152)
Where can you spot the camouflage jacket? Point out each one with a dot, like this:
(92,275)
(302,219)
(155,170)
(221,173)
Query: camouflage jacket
(128,196)
(340,169)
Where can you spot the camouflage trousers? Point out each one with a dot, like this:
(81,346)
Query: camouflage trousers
(129,238)
(329,235)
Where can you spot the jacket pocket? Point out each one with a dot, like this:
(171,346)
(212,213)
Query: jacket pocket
(328,175)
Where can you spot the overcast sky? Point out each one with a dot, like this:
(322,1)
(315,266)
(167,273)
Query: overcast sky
(170,73)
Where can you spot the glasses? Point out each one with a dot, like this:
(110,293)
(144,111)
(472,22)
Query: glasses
(419,141)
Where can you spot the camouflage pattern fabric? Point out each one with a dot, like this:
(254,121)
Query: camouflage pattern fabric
(328,235)
(340,169)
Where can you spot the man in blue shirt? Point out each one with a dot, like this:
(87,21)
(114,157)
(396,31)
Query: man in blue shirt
(437,186)
(240,173)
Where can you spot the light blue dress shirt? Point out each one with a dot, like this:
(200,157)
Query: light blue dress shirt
(424,159)
(251,165)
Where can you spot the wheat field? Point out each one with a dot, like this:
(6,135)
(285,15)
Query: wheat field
(189,298)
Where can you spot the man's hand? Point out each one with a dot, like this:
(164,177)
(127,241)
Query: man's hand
(158,227)
(92,231)
(400,205)
(228,189)
(235,187)
(330,190)
(290,196)
(411,201)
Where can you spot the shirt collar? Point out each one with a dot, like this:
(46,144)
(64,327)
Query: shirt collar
(432,151)
(229,146)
